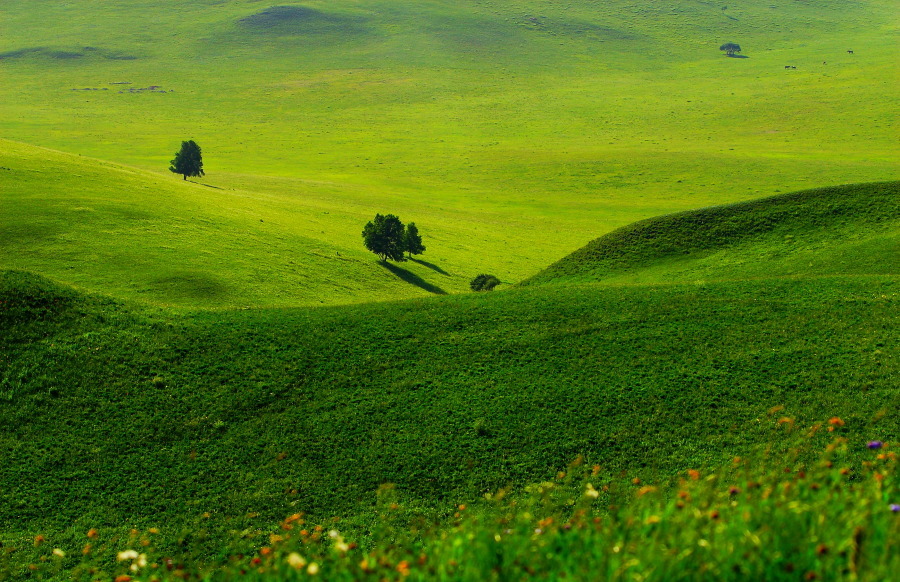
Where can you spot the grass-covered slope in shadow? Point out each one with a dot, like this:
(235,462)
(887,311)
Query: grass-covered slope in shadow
(110,416)
(851,229)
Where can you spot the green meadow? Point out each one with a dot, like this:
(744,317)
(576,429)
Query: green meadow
(694,343)
(512,133)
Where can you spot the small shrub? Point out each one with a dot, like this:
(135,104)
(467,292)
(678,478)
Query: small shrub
(484,282)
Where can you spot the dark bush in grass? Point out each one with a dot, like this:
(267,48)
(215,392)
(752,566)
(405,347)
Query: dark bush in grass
(484,282)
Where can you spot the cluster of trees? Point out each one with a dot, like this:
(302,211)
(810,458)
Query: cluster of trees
(385,235)
(388,238)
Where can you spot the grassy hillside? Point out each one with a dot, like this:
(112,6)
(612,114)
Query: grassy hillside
(113,416)
(552,122)
(133,234)
(841,230)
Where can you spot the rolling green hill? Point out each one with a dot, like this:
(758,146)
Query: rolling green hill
(119,414)
(828,231)
(518,131)
(209,356)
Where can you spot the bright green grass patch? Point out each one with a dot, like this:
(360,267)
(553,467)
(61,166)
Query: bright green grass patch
(114,416)
(550,121)
(132,234)
(841,230)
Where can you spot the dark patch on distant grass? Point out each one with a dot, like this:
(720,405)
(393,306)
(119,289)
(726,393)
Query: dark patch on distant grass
(20,53)
(64,55)
(190,285)
(67,55)
(297,20)
(413,279)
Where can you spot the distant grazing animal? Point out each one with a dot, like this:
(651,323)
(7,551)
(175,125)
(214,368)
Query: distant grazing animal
(851,52)
(790,67)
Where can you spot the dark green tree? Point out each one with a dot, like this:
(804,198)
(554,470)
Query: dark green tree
(384,236)
(188,160)
(730,48)
(412,240)
(484,282)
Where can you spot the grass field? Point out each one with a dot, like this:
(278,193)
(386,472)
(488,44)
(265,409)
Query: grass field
(512,133)
(125,415)
(207,357)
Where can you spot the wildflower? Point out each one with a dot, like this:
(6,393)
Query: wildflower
(403,568)
(313,569)
(462,507)
(153,530)
(895,507)
(127,555)
(591,492)
(785,420)
(836,421)
(265,551)
(653,519)
(123,578)
(39,539)
(821,549)
(295,560)
(714,514)
(694,474)
(733,491)
(93,533)
(636,481)
(86,550)
(875,444)
(59,553)
(645,490)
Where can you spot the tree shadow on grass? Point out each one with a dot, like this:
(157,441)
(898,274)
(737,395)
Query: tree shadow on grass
(412,278)
(431,266)
(737,56)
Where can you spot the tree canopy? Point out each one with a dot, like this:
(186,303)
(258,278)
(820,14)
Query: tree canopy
(188,160)
(386,237)
(412,240)
(730,48)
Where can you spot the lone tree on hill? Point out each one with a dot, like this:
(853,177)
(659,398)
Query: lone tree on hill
(730,48)
(385,236)
(412,240)
(484,282)
(188,161)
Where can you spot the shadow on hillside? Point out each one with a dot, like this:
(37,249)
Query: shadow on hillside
(207,185)
(738,56)
(412,278)
(431,266)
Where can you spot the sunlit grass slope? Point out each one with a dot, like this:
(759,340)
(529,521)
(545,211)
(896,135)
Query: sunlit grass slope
(567,118)
(132,234)
(841,230)
(111,416)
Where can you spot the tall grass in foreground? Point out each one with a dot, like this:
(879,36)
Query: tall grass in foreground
(834,515)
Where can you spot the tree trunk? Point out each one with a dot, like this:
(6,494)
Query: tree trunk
(184,176)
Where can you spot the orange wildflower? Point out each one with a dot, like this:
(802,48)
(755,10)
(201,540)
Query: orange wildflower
(835,421)
(403,568)
(694,474)
(93,533)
